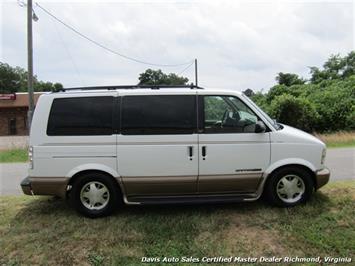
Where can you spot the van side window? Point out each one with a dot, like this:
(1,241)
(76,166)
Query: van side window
(158,114)
(81,116)
(227,114)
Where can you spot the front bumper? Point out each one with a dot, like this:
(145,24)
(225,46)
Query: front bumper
(322,177)
(26,186)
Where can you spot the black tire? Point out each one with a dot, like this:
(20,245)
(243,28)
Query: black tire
(112,196)
(271,188)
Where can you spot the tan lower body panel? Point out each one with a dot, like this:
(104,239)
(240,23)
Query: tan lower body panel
(49,186)
(322,177)
(239,183)
(183,185)
(162,185)
(159,185)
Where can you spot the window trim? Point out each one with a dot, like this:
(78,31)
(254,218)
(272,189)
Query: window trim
(194,129)
(201,111)
(116,116)
(113,123)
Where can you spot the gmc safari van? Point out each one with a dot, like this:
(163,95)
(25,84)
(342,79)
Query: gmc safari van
(104,146)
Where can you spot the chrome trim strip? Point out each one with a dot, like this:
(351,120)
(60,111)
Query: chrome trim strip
(158,179)
(232,176)
(87,156)
(248,170)
(170,143)
(88,144)
(233,142)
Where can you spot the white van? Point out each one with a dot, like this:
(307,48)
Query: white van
(104,146)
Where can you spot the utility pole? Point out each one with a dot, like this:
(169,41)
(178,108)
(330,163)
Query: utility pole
(196,81)
(29,65)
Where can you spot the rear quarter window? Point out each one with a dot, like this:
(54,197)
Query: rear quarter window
(81,116)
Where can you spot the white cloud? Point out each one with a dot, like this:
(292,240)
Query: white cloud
(239,44)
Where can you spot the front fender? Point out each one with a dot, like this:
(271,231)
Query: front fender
(289,161)
(280,163)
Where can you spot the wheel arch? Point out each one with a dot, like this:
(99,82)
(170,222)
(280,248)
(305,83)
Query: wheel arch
(77,174)
(288,162)
(306,167)
(92,167)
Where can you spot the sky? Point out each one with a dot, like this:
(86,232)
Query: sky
(238,44)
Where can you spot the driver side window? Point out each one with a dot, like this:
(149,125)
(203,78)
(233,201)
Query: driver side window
(227,114)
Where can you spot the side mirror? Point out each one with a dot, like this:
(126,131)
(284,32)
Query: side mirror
(260,127)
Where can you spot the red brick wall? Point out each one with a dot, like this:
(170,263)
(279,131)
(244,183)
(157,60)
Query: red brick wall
(20,114)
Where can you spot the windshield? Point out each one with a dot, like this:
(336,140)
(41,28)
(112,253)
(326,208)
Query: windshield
(265,115)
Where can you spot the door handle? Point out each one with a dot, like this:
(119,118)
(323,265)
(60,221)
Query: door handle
(191,152)
(204,152)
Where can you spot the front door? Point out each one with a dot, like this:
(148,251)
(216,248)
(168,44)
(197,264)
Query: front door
(157,148)
(232,156)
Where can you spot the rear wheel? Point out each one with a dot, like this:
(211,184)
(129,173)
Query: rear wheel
(289,186)
(95,195)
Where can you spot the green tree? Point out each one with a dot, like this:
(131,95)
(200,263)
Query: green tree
(331,69)
(275,91)
(349,65)
(158,77)
(317,75)
(9,79)
(326,103)
(335,103)
(249,92)
(296,112)
(260,99)
(289,79)
(14,79)
(336,67)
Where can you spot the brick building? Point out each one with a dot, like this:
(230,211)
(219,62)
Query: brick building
(13,113)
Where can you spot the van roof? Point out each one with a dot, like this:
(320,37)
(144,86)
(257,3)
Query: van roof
(145,90)
(132,87)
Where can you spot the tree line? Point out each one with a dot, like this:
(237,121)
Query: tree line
(324,102)
(14,79)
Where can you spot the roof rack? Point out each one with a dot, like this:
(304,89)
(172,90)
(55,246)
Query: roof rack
(131,87)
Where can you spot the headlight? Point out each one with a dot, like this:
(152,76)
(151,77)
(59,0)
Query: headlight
(30,156)
(324,152)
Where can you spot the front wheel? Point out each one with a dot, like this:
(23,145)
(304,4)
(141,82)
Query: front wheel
(95,195)
(289,186)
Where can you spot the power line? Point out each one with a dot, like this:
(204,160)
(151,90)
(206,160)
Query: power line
(21,3)
(186,68)
(107,48)
(68,53)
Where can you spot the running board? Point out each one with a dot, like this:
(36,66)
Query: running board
(157,200)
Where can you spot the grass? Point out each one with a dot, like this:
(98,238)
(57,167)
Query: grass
(338,139)
(15,155)
(45,230)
